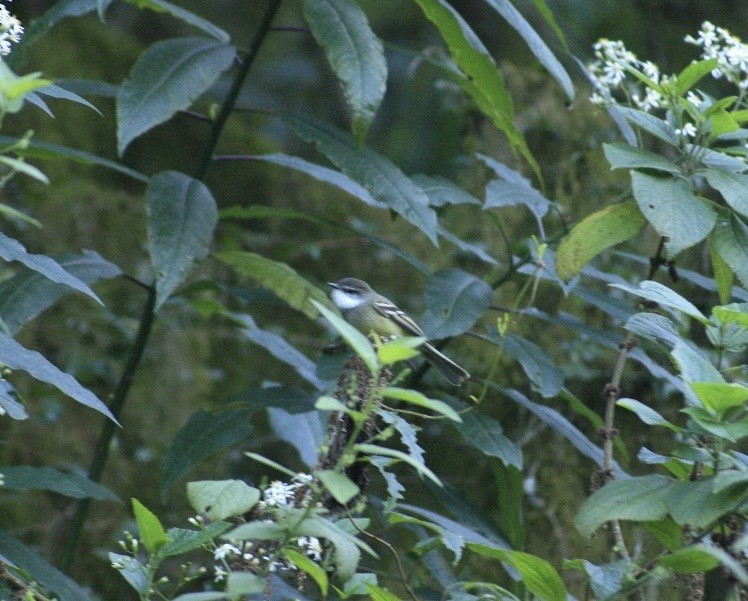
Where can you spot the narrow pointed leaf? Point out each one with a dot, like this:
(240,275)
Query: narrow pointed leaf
(485,434)
(188,17)
(151,531)
(623,156)
(168,77)
(76,486)
(357,341)
(385,181)
(662,295)
(338,485)
(732,186)
(354,53)
(730,241)
(181,217)
(220,499)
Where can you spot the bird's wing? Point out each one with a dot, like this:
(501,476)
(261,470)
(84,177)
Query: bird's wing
(400,317)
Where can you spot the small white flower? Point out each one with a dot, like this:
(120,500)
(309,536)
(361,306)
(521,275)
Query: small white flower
(688,130)
(225,550)
(693,98)
(220,573)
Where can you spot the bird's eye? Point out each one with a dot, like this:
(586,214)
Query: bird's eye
(350,290)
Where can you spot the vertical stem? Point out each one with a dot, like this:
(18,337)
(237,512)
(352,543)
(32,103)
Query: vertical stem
(228,103)
(107,431)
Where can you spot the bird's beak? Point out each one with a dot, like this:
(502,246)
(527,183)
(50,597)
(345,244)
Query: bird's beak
(333,285)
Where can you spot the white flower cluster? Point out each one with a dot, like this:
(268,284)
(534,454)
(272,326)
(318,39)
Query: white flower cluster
(731,53)
(10,30)
(255,555)
(608,73)
(283,494)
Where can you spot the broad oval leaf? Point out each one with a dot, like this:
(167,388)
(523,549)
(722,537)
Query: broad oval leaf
(720,397)
(649,123)
(455,300)
(151,531)
(662,295)
(220,499)
(13,250)
(442,191)
(674,210)
(76,486)
(181,217)
(732,186)
(546,377)
(284,282)
(202,435)
(15,356)
(500,193)
(485,434)
(302,430)
(646,414)
(354,53)
(653,326)
(168,77)
(382,178)
(588,238)
(338,485)
(623,156)
(537,46)
(730,241)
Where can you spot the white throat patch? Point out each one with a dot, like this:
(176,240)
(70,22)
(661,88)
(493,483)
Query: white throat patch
(344,301)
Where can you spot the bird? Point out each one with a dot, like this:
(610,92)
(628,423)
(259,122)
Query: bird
(370,312)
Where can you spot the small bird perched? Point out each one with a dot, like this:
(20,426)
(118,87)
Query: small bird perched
(370,312)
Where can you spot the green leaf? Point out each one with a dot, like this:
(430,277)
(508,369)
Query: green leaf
(257,530)
(667,532)
(416,398)
(14,551)
(399,349)
(536,44)
(662,295)
(653,326)
(537,574)
(340,486)
(320,173)
(204,434)
(270,463)
(648,415)
(696,503)
(45,150)
(623,156)
(693,365)
(26,294)
(241,584)
(730,240)
(720,397)
(730,563)
(502,193)
(306,565)
(182,540)
(482,79)
(382,178)
(181,217)
(674,211)
(442,192)
(371,449)
(546,377)
(22,166)
(59,11)
(302,430)
(723,275)
(642,499)
(281,349)
(132,570)
(455,300)
(354,53)
(689,76)
(377,593)
(209,596)
(13,250)
(168,77)
(649,123)
(278,277)
(355,339)
(607,580)
(732,431)
(734,313)
(220,499)
(76,486)
(14,356)
(9,401)
(151,531)
(595,233)
(732,186)
(162,6)
(486,434)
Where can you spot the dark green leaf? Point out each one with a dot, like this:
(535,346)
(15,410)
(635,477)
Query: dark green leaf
(510,496)
(181,217)
(596,232)
(674,211)
(13,250)
(690,560)
(730,240)
(716,159)
(485,434)
(59,11)
(662,295)
(28,293)
(202,435)
(25,477)
(536,44)
(168,77)
(305,564)
(355,54)
(649,123)
(55,91)
(455,300)
(132,570)
(653,326)
(355,339)
(543,9)
(284,282)
(442,191)
(152,533)
(689,76)
(623,156)
(564,427)
(373,171)
(694,366)
(14,356)
(185,15)
(408,434)
(289,398)
(546,377)
(40,570)
(732,186)
(500,193)
(182,540)
(475,249)
(696,503)
(646,414)
(9,403)
(537,574)
(244,584)
(338,485)
(643,498)
(302,430)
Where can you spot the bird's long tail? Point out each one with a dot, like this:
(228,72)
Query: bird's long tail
(448,368)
